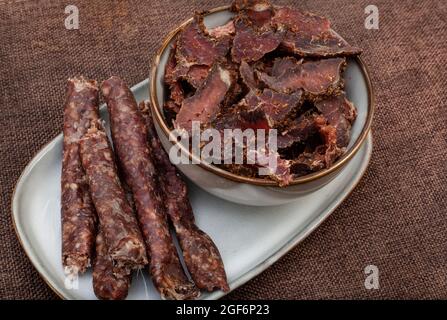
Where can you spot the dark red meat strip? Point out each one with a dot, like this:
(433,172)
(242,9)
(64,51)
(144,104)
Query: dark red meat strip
(116,219)
(176,93)
(258,12)
(281,173)
(196,47)
(336,109)
(243,170)
(201,255)
(206,102)
(170,66)
(250,44)
(296,20)
(248,76)
(239,118)
(278,108)
(129,135)
(324,155)
(197,75)
(331,150)
(327,44)
(78,214)
(310,35)
(282,65)
(170,110)
(106,285)
(316,78)
(299,130)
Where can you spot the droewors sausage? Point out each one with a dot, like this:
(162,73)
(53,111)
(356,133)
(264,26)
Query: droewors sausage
(129,136)
(77,211)
(106,284)
(116,218)
(201,255)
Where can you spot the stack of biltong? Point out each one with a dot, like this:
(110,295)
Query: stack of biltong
(269,67)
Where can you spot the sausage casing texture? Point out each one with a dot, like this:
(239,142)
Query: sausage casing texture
(77,211)
(116,218)
(201,255)
(129,136)
(106,285)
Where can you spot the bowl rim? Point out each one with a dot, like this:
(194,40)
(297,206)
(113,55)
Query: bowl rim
(159,118)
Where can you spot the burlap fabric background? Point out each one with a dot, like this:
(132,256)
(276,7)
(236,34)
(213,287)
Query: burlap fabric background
(395,219)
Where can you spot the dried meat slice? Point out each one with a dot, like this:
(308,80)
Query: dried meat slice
(260,157)
(258,12)
(324,45)
(309,35)
(170,66)
(278,108)
(227,30)
(349,110)
(340,113)
(316,78)
(244,170)
(221,37)
(330,148)
(170,110)
(196,47)
(299,130)
(205,104)
(176,92)
(250,44)
(281,65)
(323,156)
(296,21)
(307,163)
(248,76)
(280,172)
(197,75)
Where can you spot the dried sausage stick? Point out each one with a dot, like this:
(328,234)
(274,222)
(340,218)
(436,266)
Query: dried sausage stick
(105,284)
(116,219)
(78,214)
(130,142)
(201,255)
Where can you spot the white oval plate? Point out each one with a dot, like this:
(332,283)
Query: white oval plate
(250,239)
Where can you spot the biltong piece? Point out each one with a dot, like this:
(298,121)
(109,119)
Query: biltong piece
(196,47)
(316,78)
(299,130)
(277,108)
(340,113)
(206,103)
(250,43)
(309,35)
(324,155)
